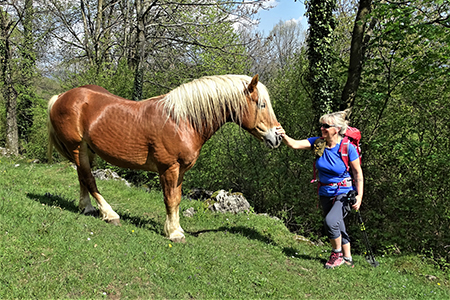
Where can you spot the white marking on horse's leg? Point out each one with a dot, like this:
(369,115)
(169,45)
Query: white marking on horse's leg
(178,218)
(85,205)
(177,222)
(172,227)
(106,211)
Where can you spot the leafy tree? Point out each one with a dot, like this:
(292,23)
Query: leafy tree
(19,71)
(27,70)
(155,37)
(321,54)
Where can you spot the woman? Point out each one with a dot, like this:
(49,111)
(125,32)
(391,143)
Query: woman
(334,181)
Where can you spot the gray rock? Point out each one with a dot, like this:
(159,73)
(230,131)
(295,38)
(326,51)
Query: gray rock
(106,174)
(190,212)
(229,202)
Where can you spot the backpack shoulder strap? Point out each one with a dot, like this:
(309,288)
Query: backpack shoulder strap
(343,149)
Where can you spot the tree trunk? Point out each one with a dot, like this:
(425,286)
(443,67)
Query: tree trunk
(86,44)
(138,58)
(12,132)
(357,52)
(9,93)
(97,35)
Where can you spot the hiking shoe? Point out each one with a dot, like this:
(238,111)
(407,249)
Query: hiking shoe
(336,259)
(348,263)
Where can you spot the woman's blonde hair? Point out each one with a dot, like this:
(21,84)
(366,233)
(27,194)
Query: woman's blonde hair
(338,119)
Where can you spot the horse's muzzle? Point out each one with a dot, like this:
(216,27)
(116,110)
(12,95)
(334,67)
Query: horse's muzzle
(272,139)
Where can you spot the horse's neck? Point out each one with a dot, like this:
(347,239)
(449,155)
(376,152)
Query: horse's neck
(208,130)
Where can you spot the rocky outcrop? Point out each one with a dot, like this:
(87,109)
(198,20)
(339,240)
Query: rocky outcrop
(106,174)
(220,201)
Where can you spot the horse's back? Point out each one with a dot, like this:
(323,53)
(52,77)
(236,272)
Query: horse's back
(73,112)
(90,94)
(86,100)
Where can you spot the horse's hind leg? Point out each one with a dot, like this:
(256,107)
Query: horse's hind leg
(87,184)
(85,205)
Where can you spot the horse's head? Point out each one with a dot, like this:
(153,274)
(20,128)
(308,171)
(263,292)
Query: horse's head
(259,118)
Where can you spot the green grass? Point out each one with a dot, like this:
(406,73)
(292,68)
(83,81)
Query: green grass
(49,250)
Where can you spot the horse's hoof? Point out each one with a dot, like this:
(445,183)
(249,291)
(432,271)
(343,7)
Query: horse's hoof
(114,222)
(178,240)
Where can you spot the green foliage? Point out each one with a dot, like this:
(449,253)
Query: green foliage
(221,39)
(37,144)
(25,109)
(116,78)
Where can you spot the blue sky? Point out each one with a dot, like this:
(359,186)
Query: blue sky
(284,10)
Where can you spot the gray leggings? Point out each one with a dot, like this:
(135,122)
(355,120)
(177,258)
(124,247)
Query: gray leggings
(334,213)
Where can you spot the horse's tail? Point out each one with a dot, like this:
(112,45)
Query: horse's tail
(53,140)
(50,129)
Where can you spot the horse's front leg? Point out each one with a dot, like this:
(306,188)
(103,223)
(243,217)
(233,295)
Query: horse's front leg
(171,184)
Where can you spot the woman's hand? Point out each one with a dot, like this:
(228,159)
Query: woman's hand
(290,142)
(358,180)
(280,131)
(357,205)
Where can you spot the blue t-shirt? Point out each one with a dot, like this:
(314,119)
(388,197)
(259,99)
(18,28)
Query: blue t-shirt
(331,168)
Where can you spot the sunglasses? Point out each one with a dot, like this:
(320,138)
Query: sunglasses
(326,126)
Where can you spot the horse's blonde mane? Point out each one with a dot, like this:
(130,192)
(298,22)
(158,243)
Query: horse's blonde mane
(206,100)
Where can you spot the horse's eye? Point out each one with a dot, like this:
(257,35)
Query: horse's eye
(262,105)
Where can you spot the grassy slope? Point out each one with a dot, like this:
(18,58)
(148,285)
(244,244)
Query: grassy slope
(48,250)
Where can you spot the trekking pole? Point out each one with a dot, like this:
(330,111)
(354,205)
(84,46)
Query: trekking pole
(370,258)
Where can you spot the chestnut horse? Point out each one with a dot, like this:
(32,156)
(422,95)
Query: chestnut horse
(163,134)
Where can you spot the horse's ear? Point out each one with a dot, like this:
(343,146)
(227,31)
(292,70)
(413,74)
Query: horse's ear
(253,83)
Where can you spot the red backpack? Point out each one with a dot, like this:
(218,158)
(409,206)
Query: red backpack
(353,136)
